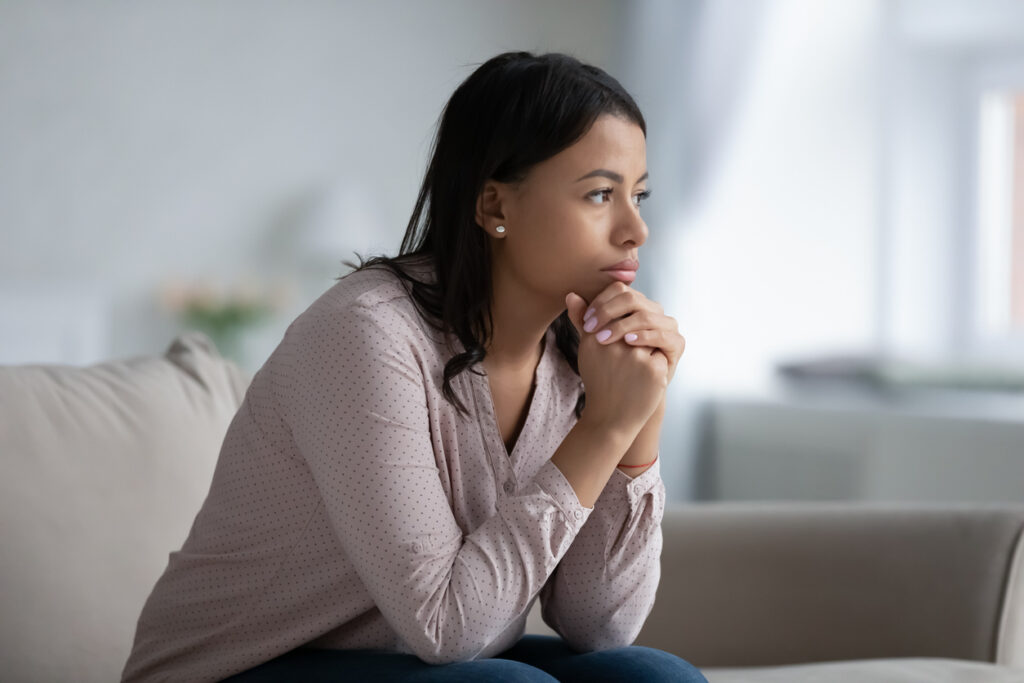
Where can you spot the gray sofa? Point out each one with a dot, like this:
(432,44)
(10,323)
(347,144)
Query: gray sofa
(105,466)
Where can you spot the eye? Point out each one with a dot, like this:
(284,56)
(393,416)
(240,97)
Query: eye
(640,198)
(603,193)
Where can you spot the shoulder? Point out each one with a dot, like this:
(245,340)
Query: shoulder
(375,296)
(365,323)
(367,316)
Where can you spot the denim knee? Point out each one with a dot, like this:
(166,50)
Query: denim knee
(641,663)
(498,670)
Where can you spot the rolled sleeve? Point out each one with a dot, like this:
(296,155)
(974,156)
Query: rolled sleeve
(551,480)
(624,488)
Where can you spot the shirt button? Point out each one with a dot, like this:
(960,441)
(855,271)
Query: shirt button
(509,486)
(416,547)
(578,514)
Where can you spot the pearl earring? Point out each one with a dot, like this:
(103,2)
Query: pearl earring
(500,228)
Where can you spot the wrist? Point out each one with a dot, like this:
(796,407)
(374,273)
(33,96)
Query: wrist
(636,470)
(643,450)
(617,437)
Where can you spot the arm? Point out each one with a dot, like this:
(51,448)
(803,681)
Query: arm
(354,399)
(604,587)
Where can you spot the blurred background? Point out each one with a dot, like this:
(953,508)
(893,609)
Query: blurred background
(837,218)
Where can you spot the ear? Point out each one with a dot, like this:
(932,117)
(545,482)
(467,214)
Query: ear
(490,207)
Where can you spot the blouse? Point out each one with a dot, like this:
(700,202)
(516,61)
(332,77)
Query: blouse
(352,506)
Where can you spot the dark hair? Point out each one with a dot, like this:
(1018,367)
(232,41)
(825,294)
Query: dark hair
(514,111)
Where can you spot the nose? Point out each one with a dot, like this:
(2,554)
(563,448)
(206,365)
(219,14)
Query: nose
(631,228)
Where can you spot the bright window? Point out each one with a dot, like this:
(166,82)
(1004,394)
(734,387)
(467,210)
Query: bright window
(1000,253)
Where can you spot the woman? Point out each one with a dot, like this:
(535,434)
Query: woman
(415,463)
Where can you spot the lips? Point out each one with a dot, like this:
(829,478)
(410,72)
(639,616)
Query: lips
(626,276)
(624,270)
(625,264)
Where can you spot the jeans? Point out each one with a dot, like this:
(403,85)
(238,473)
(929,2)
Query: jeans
(534,658)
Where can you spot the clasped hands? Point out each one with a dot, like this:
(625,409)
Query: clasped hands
(620,314)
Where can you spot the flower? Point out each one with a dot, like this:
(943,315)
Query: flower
(222,311)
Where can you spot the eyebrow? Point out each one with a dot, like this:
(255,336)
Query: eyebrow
(611,175)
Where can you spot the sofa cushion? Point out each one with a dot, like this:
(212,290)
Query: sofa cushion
(899,670)
(773,583)
(103,470)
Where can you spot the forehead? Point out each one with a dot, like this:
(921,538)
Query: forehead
(612,142)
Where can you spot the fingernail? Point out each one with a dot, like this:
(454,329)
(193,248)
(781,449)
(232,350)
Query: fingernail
(603,335)
(631,336)
(591,324)
(590,312)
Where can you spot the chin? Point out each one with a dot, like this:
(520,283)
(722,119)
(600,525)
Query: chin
(593,289)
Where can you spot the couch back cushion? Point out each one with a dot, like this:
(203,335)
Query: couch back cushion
(766,583)
(103,470)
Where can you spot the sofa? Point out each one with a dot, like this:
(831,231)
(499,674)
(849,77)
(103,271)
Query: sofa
(105,466)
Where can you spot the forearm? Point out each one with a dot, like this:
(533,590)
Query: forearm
(588,455)
(644,447)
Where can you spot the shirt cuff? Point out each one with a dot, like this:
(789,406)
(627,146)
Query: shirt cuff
(622,487)
(551,480)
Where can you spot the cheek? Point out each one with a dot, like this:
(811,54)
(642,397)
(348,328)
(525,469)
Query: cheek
(559,246)
(546,215)
(563,226)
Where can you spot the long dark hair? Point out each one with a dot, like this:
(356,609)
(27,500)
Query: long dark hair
(514,111)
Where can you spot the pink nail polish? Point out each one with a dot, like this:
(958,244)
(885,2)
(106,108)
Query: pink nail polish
(631,336)
(591,324)
(603,335)
(590,312)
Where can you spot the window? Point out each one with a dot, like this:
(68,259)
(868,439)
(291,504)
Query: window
(1000,253)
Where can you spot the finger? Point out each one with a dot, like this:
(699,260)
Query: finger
(613,331)
(653,338)
(605,295)
(668,343)
(575,305)
(609,306)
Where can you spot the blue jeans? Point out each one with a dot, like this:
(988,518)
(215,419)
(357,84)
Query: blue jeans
(534,658)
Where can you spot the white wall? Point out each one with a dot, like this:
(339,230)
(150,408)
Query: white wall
(764,148)
(141,140)
(775,254)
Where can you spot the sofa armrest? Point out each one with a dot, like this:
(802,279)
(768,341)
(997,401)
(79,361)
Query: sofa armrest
(772,583)
(1010,643)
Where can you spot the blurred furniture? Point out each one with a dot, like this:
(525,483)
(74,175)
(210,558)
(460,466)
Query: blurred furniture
(105,467)
(840,591)
(863,445)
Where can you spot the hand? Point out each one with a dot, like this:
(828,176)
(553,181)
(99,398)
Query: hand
(625,311)
(624,383)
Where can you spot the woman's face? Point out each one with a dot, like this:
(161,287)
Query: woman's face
(576,213)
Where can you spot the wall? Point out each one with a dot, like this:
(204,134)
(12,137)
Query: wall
(148,140)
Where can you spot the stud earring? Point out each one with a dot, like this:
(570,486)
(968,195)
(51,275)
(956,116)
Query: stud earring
(500,228)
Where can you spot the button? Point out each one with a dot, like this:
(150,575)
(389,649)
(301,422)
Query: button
(578,514)
(416,547)
(509,486)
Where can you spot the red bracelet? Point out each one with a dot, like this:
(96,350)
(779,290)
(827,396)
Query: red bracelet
(647,465)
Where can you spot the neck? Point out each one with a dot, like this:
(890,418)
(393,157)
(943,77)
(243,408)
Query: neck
(521,319)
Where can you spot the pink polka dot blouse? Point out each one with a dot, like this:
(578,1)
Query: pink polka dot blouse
(353,507)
